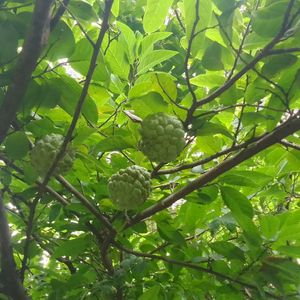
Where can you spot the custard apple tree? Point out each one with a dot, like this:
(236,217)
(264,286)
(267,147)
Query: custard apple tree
(149,149)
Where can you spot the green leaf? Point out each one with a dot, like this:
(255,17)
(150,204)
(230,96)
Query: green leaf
(270,227)
(116,58)
(149,41)
(274,13)
(209,128)
(151,293)
(277,63)
(161,83)
(208,80)
(212,58)
(113,143)
(148,104)
(154,58)
(9,38)
(16,145)
(234,179)
(70,91)
(128,40)
(242,211)
(291,251)
(155,14)
(169,233)
(72,247)
(115,8)
(61,42)
(82,10)
(205,195)
(228,250)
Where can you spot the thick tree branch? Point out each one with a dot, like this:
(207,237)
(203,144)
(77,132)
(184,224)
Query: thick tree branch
(287,128)
(12,284)
(34,42)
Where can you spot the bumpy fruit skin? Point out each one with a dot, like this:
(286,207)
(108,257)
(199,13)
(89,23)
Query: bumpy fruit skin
(162,137)
(129,187)
(45,151)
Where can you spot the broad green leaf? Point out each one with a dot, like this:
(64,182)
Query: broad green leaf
(277,63)
(17,145)
(208,80)
(151,293)
(115,8)
(113,143)
(210,128)
(228,250)
(161,83)
(148,104)
(155,14)
(61,42)
(115,56)
(292,251)
(72,247)
(82,10)
(234,179)
(154,58)
(127,38)
(243,212)
(274,13)
(212,58)
(149,41)
(9,38)
(170,233)
(270,227)
(70,91)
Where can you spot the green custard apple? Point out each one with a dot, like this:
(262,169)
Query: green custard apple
(129,187)
(45,151)
(162,137)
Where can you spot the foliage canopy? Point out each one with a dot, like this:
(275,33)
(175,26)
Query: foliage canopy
(223,218)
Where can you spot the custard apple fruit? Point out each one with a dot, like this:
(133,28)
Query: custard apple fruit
(162,137)
(45,151)
(129,187)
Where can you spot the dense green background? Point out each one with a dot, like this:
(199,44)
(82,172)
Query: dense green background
(230,70)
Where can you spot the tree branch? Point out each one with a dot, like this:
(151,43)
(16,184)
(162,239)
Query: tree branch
(195,267)
(264,52)
(12,284)
(92,66)
(34,42)
(59,13)
(290,145)
(94,210)
(287,128)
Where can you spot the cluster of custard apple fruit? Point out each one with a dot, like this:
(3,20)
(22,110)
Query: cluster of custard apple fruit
(45,151)
(162,140)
